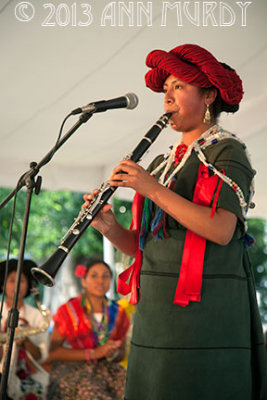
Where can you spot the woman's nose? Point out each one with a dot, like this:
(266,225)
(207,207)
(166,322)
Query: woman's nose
(168,99)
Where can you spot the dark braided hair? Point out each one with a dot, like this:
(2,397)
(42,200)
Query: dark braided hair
(219,105)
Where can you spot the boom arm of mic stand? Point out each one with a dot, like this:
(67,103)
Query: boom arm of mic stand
(36,167)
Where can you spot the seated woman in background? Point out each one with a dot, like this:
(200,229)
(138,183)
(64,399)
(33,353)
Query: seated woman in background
(88,341)
(26,378)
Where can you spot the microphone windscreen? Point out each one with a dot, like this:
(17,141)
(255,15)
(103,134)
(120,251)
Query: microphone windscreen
(132,100)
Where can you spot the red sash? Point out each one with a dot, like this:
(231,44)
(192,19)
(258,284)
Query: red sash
(190,277)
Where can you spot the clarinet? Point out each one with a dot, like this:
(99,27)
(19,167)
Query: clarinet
(46,273)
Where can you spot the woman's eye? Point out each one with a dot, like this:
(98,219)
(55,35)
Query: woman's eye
(178,86)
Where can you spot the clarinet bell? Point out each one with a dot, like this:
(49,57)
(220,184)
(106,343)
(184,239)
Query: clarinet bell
(47,272)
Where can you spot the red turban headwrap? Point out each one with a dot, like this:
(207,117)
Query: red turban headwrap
(195,65)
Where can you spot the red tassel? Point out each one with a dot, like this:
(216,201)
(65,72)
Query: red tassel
(128,280)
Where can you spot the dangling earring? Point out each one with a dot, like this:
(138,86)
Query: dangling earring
(207,117)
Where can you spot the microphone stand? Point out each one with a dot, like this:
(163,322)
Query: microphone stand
(13,314)
(36,167)
(28,180)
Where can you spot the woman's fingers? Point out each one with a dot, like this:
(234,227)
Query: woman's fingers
(126,166)
(126,171)
(111,347)
(114,343)
(106,208)
(88,197)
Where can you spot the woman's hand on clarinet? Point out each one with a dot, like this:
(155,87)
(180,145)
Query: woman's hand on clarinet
(105,219)
(105,222)
(129,174)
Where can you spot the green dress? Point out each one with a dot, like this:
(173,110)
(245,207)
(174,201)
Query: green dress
(212,349)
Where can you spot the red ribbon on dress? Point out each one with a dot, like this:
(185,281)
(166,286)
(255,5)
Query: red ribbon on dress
(190,277)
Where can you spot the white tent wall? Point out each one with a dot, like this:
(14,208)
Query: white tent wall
(48,70)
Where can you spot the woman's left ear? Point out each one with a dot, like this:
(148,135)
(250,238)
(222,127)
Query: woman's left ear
(211,96)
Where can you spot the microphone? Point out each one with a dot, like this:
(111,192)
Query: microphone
(129,101)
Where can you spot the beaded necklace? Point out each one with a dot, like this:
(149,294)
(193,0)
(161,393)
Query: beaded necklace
(210,137)
(100,329)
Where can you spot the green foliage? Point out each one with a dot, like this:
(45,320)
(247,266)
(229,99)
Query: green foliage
(258,255)
(123,211)
(51,215)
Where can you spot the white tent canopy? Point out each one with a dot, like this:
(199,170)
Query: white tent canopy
(68,54)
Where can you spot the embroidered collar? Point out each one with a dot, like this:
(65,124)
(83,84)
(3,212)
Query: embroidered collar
(210,137)
(169,158)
